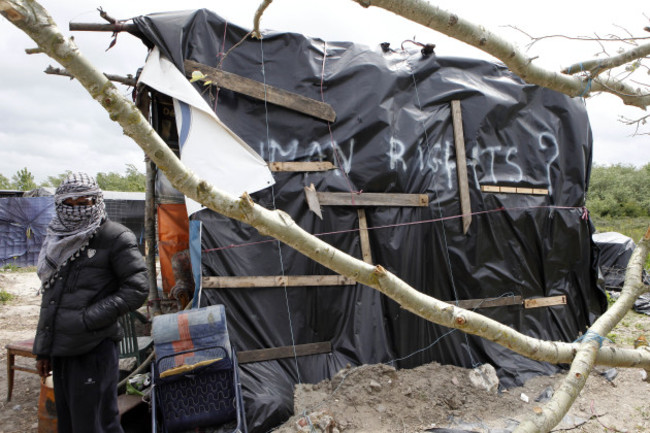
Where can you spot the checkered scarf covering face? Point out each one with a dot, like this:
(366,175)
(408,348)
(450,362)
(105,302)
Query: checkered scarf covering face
(72,226)
(70,220)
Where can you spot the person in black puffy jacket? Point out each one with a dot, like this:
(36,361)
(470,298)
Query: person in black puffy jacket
(91,273)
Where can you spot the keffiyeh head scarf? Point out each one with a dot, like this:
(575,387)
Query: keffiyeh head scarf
(72,227)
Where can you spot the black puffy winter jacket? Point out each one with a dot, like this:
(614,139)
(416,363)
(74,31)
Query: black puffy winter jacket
(80,309)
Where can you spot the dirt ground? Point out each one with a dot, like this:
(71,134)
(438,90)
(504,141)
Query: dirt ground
(377,398)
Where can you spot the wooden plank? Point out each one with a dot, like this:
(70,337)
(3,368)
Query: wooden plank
(259,355)
(490,188)
(544,302)
(312,200)
(302,166)
(461,165)
(372,199)
(471,304)
(258,90)
(126,402)
(26,369)
(363,234)
(276,281)
(513,190)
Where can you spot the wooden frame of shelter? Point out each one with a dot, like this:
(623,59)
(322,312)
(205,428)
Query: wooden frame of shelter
(315,199)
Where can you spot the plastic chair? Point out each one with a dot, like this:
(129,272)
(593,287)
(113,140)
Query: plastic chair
(132,345)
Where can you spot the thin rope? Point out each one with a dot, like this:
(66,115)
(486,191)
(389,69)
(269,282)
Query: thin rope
(279,244)
(439,207)
(329,128)
(505,295)
(409,223)
(220,56)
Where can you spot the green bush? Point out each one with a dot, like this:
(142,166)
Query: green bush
(619,191)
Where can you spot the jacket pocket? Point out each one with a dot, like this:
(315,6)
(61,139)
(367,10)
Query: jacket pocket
(70,322)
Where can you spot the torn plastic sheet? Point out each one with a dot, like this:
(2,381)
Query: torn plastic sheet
(208,147)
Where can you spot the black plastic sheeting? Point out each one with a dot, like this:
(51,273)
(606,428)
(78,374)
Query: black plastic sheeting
(129,213)
(615,251)
(393,133)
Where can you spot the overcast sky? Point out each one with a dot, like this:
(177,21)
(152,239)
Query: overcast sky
(49,124)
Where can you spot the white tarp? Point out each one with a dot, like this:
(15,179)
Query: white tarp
(208,147)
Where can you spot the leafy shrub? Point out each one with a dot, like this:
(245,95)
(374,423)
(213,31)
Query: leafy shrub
(619,191)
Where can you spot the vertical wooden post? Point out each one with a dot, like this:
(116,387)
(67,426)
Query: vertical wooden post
(363,234)
(143,102)
(461,165)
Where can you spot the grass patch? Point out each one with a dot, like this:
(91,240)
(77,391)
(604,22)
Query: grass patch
(630,328)
(10,267)
(5,296)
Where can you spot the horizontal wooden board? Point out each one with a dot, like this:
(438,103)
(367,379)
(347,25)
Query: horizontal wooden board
(544,302)
(259,355)
(372,199)
(263,92)
(471,304)
(127,402)
(513,190)
(302,166)
(276,281)
(524,190)
(490,188)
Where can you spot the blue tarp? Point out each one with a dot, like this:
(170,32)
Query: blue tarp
(23,222)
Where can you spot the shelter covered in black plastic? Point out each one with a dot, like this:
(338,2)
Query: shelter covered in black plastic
(615,251)
(528,156)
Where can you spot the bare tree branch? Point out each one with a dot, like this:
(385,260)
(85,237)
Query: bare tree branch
(128,80)
(595,38)
(106,16)
(258,16)
(450,24)
(596,66)
(637,123)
